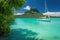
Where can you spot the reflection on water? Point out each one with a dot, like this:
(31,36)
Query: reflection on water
(20,34)
(46,30)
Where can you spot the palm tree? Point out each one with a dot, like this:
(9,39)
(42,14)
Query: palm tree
(7,14)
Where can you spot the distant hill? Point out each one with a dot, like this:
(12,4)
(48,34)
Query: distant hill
(32,13)
(29,15)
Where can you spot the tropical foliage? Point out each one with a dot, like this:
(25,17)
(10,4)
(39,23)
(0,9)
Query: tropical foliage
(7,14)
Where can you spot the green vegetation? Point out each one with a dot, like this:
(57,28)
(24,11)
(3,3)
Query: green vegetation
(33,13)
(29,15)
(55,16)
(7,14)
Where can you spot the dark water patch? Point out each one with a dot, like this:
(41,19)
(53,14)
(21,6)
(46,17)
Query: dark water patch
(56,37)
(20,34)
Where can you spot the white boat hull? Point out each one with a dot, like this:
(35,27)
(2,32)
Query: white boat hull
(44,19)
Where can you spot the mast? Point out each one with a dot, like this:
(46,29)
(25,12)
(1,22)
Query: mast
(46,9)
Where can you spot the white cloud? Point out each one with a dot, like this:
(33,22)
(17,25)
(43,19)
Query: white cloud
(27,8)
(52,13)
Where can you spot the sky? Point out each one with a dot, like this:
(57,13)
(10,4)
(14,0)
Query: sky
(52,5)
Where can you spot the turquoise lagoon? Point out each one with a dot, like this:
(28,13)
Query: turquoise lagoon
(48,30)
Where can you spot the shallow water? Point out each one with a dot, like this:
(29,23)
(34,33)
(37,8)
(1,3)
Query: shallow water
(48,30)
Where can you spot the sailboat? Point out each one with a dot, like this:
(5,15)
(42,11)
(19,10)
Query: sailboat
(46,17)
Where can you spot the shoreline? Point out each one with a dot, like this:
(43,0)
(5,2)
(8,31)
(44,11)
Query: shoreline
(19,16)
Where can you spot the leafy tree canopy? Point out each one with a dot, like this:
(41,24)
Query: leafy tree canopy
(7,13)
